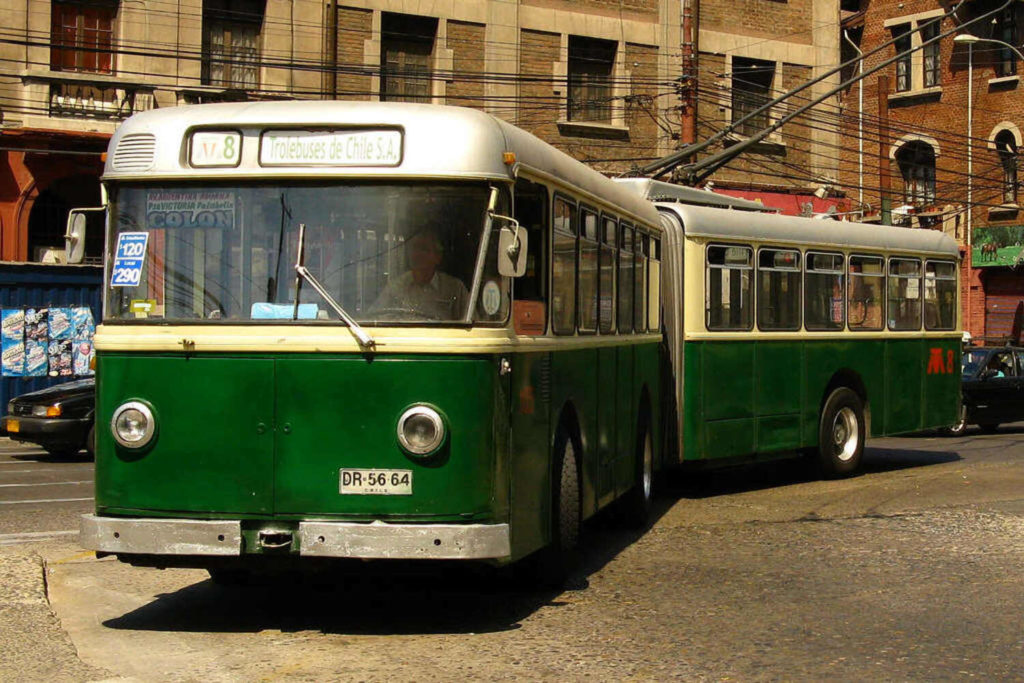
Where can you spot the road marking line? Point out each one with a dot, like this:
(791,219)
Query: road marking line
(12,539)
(43,500)
(47,483)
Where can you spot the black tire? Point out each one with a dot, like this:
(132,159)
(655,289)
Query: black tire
(960,426)
(636,505)
(222,576)
(62,451)
(841,434)
(989,427)
(90,442)
(550,567)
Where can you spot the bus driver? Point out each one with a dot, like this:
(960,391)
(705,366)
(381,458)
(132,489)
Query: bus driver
(423,289)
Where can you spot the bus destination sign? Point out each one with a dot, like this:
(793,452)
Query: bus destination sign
(331,148)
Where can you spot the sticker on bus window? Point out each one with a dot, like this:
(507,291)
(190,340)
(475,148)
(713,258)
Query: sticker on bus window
(129,257)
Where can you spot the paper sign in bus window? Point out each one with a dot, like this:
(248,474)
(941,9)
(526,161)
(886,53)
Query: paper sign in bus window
(129,257)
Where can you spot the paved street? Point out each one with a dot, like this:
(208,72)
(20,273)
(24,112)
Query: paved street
(909,572)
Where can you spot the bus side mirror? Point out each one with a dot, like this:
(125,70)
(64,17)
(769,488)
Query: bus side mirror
(74,237)
(74,234)
(512,251)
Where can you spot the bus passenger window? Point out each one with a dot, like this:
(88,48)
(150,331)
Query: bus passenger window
(940,285)
(654,286)
(729,299)
(606,304)
(778,289)
(904,294)
(588,271)
(864,303)
(563,266)
(824,307)
(532,211)
(640,248)
(625,278)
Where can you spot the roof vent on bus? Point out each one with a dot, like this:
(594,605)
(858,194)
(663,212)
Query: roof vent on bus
(134,152)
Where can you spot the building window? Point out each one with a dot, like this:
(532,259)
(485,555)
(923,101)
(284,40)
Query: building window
(1006,31)
(1006,146)
(930,53)
(751,89)
(231,33)
(591,62)
(917,166)
(903,56)
(407,43)
(82,36)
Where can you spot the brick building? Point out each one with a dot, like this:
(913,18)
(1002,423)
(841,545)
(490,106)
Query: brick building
(596,78)
(747,52)
(915,151)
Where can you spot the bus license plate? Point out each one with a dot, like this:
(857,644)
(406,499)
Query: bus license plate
(12,425)
(376,482)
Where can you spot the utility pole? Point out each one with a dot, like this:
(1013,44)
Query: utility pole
(884,165)
(688,112)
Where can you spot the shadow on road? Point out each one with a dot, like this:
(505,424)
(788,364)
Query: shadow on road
(377,598)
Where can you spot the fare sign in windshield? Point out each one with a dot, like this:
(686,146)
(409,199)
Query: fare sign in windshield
(331,148)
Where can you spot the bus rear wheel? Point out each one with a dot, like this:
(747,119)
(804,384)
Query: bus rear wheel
(841,434)
(637,503)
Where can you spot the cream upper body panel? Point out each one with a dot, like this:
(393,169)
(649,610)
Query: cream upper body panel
(338,339)
(704,226)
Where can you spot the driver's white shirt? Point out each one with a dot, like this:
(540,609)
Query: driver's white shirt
(443,298)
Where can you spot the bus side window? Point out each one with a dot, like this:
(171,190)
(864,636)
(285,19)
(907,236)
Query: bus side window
(563,267)
(729,294)
(529,308)
(865,298)
(606,306)
(625,278)
(940,285)
(588,281)
(640,249)
(654,286)
(824,304)
(904,287)
(778,289)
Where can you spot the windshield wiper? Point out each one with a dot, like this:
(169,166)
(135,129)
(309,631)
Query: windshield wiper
(302,273)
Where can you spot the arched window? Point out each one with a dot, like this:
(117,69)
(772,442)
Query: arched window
(1006,147)
(916,160)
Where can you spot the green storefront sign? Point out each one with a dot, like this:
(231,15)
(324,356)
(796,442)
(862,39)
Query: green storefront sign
(997,246)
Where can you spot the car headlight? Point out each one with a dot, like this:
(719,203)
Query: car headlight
(420,430)
(10,407)
(133,424)
(47,411)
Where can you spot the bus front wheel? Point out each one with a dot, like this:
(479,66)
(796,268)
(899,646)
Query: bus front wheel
(841,434)
(551,565)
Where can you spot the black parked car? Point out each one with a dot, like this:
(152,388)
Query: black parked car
(59,418)
(993,387)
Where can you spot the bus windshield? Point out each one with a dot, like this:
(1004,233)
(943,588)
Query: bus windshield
(388,253)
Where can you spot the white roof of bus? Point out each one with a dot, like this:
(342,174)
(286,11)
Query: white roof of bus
(660,191)
(438,142)
(714,223)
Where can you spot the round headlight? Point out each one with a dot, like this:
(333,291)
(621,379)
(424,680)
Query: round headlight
(420,430)
(133,424)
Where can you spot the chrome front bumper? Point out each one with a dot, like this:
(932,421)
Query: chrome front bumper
(375,540)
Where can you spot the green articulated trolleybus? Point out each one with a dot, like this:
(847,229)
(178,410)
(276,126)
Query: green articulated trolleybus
(399,331)
(361,330)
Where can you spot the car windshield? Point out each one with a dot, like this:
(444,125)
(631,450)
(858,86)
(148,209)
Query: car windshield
(388,253)
(972,360)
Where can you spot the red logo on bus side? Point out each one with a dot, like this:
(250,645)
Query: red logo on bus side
(935,364)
